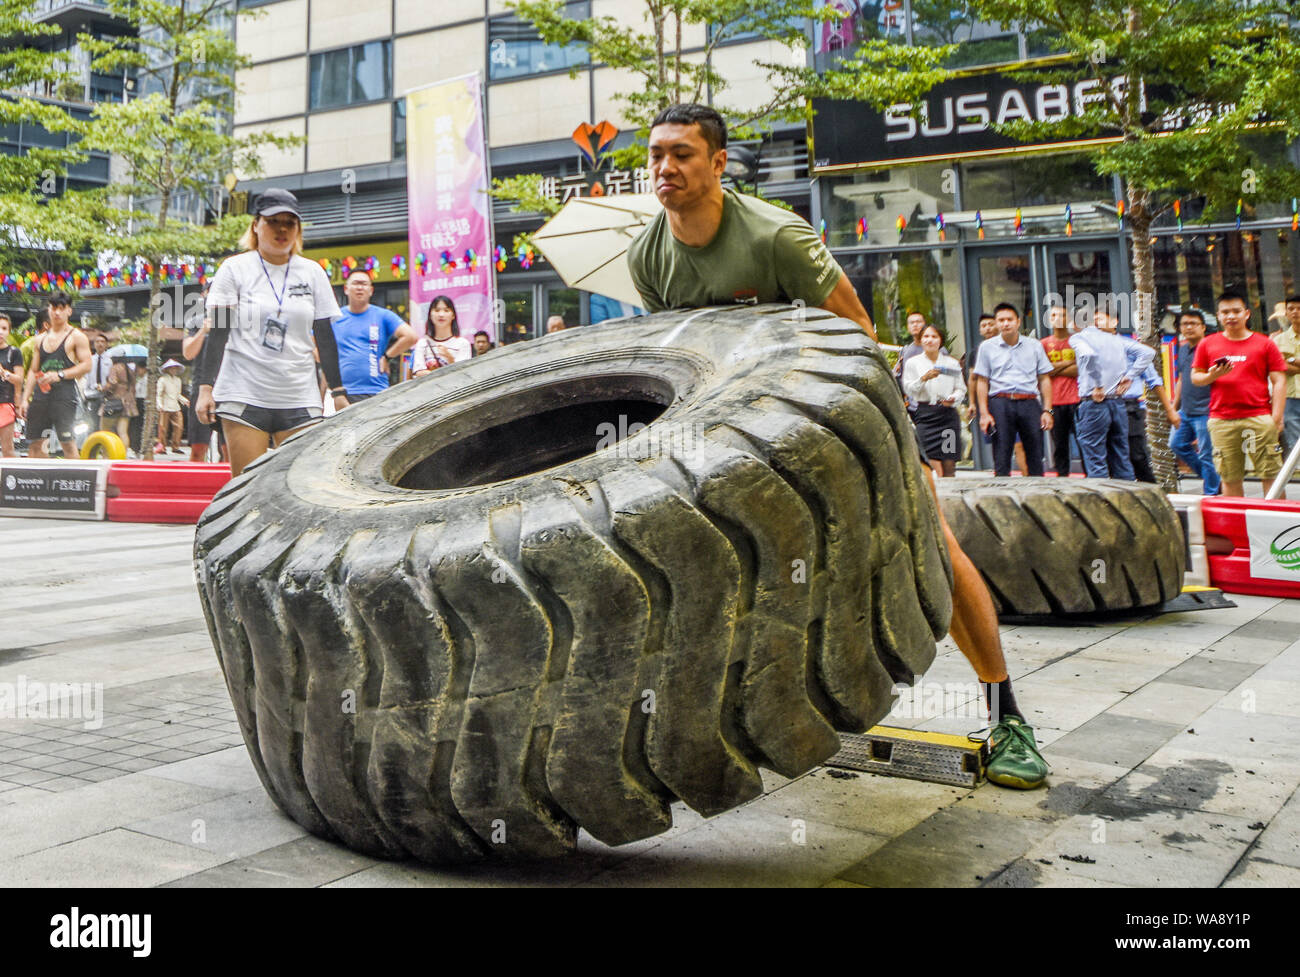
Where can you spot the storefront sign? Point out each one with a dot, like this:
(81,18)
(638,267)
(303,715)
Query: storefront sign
(1274,544)
(41,488)
(597,184)
(957,119)
(450,236)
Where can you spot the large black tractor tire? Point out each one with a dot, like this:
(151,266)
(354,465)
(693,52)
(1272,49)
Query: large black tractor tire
(466,617)
(1054,546)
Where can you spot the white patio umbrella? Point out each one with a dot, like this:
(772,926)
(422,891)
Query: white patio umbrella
(587,241)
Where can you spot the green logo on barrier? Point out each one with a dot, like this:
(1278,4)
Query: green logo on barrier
(1286,549)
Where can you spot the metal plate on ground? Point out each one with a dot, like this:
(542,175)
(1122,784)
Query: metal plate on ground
(1196,599)
(939,758)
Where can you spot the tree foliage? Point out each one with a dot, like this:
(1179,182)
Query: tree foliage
(176,142)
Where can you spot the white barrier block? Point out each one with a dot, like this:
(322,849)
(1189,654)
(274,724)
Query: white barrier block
(1198,568)
(1191,504)
(52,488)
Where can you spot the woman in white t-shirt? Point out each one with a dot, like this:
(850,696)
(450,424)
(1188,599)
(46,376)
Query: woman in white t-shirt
(272,312)
(933,380)
(442,344)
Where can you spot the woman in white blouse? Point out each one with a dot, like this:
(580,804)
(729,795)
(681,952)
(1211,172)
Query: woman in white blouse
(442,344)
(933,380)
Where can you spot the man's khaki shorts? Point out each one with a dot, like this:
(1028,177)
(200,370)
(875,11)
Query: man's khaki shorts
(1236,438)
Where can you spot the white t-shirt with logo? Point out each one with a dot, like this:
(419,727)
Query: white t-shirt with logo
(254,371)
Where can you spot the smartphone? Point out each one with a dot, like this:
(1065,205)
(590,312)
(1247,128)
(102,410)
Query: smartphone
(1221,361)
(988,435)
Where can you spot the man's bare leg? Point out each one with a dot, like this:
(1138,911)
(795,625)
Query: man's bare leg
(1014,760)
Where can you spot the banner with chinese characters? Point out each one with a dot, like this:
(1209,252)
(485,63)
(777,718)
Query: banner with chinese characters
(596,184)
(450,212)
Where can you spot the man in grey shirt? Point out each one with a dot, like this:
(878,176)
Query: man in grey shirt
(1108,364)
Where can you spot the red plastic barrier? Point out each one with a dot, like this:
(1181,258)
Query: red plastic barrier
(143,491)
(1231,572)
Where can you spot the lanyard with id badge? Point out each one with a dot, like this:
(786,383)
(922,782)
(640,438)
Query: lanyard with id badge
(275,327)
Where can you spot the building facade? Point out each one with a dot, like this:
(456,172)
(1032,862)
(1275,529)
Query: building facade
(334,74)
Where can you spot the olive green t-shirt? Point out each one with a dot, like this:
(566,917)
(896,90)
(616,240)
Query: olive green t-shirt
(760,254)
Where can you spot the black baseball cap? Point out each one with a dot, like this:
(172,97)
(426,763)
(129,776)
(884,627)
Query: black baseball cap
(276,201)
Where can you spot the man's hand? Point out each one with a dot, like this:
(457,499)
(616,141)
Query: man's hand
(184,401)
(1121,388)
(1098,395)
(1046,420)
(1174,419)
(205,409)
(1279,421)
(986,422)
(22,411)
(341,401)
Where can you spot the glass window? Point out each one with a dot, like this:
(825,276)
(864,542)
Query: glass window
(892,284)
(863,20)
(356,74)
(516,50)
(937,22)
(1041,186)
(518,323)
(863,209)
(399,129)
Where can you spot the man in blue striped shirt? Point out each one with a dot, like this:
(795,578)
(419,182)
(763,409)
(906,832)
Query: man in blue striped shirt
(1011,371)
(1108,365)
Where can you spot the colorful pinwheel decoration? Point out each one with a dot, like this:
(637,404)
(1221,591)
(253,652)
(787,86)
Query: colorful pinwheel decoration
(1295,214)
(979,224)
(500,256)
(1069,221)
(371,265)
(901,224)
(862,228)
(446,262)
(525,256)
(422,262)
(1239,202)
(398,265)
(1019,223)
(1178,213)
(938,222)
(821,230)
(1119,212)
(471,258)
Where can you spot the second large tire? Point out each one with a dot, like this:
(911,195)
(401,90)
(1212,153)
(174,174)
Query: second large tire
(1054,546)
(568,582)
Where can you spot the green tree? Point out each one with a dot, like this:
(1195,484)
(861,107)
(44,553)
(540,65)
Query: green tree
(1210,100)
(661,73)
(33,235)
(177,146)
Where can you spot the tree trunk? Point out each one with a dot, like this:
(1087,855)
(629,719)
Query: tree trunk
(1163,462)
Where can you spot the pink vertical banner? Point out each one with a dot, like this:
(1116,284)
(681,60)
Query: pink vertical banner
(449,210)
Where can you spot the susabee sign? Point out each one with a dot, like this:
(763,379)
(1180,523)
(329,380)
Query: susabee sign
(1274,545)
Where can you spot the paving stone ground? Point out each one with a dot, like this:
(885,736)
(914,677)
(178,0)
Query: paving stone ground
(1174,741)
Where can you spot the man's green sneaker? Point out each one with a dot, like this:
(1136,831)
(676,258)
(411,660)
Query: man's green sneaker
(1014,760)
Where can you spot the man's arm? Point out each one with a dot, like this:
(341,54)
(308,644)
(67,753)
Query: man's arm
(1278,379)
(191,346)
(844,302)
(982,400)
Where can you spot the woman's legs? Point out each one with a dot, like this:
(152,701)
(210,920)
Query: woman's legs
(245,444)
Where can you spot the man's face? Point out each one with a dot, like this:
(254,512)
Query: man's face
(481,344)
(359,288)
(682,169)
(1056,317)
(1293,315)
(101,344)
(988,327)
(59,316)
(1192,328)
(915,323)
(1105,321)
(1234,314)
(4,332)
(1008,325)
(554,324)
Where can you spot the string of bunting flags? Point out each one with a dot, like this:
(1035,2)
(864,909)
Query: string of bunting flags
(43,281)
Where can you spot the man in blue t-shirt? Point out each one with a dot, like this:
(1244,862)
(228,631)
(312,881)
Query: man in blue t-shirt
(368,339)
(1190,439)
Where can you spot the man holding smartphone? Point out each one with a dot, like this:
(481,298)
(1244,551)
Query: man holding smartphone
(1247,378)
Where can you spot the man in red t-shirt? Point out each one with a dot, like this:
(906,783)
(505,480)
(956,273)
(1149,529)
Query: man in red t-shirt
(1065,388)
(1247,396)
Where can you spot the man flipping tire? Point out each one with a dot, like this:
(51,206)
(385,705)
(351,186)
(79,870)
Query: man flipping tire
(711,247)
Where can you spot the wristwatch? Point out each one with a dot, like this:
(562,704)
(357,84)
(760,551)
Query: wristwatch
(61,377)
